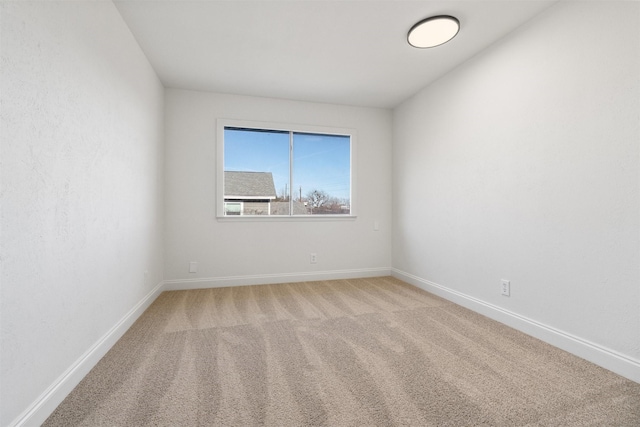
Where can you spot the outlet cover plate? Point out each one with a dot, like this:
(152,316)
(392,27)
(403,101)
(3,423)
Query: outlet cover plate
(506,288)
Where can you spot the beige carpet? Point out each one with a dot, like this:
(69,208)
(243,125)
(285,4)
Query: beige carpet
(362,352)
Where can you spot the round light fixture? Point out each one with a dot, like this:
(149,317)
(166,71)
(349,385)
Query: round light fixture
(433,31)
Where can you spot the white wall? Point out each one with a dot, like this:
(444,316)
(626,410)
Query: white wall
(82,139)
(261,252)
(522,164)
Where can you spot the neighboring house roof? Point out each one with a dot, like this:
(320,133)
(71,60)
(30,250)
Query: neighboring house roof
(282,208)
(249,185)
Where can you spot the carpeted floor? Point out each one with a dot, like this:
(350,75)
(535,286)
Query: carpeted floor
(361,352)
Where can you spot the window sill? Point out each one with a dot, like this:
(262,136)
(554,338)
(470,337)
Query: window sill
(285,218)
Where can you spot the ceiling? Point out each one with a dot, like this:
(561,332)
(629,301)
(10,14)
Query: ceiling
(342,52)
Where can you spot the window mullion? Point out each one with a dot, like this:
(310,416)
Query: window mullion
(290,173)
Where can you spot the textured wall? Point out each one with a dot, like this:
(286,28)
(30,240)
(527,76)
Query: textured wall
(261,248)
(81,187)
(522,164)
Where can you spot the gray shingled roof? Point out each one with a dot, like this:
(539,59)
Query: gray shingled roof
(249,184)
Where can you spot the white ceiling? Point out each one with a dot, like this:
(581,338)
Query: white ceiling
(342,52)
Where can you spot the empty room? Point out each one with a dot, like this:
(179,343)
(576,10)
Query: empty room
(317,212)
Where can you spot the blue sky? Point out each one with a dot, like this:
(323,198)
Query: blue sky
(320,162)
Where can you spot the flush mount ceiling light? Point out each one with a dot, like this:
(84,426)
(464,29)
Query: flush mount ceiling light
(433,31)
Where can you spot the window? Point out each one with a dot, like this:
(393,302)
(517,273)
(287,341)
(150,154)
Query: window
(281,170)
(233,208)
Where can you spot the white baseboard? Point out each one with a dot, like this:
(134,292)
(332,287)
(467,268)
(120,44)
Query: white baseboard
(49,400)
(265,279)
(609,359)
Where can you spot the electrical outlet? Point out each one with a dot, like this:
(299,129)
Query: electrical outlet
(193,267)
(506,288)
(313,258)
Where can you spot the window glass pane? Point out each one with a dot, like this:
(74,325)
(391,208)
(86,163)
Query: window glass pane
(322,174)
(256,170)
(258,177)
(232,208)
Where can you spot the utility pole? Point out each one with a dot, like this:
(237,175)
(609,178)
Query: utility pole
(301,193)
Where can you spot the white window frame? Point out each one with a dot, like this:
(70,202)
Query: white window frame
(288,127)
